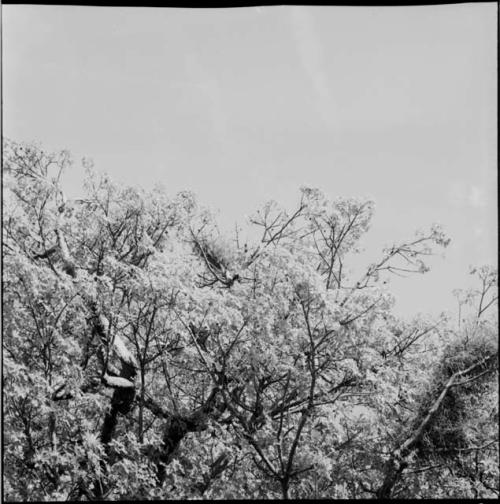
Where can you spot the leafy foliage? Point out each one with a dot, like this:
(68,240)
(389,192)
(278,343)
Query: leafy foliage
(147,357)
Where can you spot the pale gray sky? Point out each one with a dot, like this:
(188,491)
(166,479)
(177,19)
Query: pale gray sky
(244,105)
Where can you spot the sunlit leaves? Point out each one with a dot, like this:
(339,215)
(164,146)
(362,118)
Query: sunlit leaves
(313,379)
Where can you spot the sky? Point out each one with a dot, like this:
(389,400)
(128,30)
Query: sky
(244,105)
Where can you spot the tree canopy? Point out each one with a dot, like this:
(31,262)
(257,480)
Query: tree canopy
(148,356)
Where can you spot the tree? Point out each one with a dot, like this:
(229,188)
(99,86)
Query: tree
(451,429)
(146,356)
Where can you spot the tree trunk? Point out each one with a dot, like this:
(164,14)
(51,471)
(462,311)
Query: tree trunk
(393,469)
(285,483)
(140,428)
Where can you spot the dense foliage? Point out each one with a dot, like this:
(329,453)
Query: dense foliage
(147,356)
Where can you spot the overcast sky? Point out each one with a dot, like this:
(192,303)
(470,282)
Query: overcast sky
(244,105)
